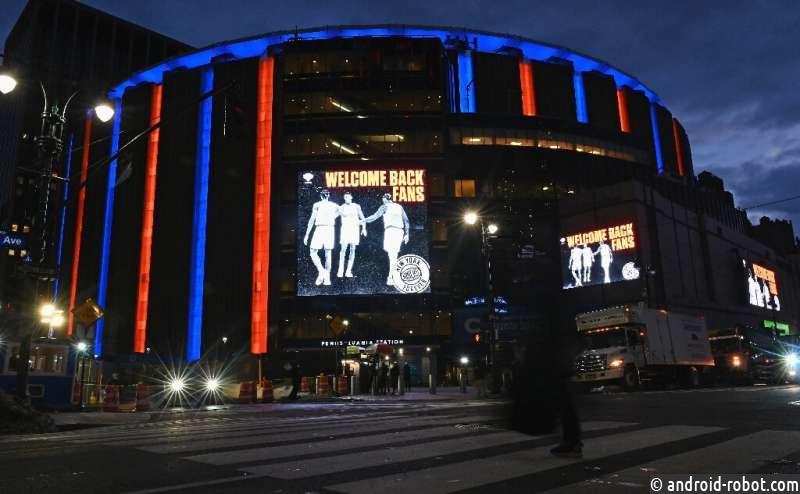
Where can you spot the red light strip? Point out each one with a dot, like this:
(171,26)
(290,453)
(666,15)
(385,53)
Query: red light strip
(622,104)
(76,249)
(678,152)
(259,315)
(148,211)
(526,84)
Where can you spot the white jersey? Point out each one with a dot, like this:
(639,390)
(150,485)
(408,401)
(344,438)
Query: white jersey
(350,229)
(393,216)
(575,258)
(605,254)
(326,213)
(588,258)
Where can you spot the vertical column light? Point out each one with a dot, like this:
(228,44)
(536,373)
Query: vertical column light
(656,138)
(622,105)
(63,222)
(108,219)
(79,211)
(528,87)
(259,316)
(148,212)
(580,97)
(197,266)
(678,151)
(466,86)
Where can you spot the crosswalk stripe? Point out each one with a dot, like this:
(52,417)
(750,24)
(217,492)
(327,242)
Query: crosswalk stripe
(300,469)
(742,454)
(222,433)
(364,441)
(310,433)
(174,431)
(473,473)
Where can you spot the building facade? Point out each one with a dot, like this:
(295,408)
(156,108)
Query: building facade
(285,163)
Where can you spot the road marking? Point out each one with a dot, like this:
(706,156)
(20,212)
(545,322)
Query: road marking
(474,473)
(176,431)
(587,426)
(222,433)
(312,434)
(316,446)
(742,455)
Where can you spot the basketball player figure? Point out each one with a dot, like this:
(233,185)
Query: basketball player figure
(604,251)
(575,265)
(352,225)
(588,260)
(323,220)
(395,230)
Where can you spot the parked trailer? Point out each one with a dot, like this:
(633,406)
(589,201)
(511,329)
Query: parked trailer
(630,345)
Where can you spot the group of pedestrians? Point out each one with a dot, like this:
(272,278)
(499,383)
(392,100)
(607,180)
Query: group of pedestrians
(384,377)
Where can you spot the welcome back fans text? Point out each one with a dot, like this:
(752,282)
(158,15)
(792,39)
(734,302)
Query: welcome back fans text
(406,185)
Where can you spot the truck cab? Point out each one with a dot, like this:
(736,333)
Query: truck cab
(747,354)
(630,344)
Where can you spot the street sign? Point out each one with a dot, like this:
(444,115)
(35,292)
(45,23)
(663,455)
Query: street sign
(87,313)
(12,240)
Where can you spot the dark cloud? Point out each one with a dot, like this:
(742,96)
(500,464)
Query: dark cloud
(725,68)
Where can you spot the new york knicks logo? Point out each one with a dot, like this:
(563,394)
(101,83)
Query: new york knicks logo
(412,274)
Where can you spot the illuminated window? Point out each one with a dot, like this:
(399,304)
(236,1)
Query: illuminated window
(12,252)
(464,188)
(14,228)
(23,253)
(26,229)
(439,231)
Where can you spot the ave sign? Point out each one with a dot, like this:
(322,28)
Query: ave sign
(11,240)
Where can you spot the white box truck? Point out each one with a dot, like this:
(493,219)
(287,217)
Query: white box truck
(633,344)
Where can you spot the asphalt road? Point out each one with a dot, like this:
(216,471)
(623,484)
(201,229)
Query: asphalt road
(416,447)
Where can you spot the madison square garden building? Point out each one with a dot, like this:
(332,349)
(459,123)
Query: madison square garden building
(306,189)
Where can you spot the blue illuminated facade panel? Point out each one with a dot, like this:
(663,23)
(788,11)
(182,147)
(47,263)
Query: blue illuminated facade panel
(580,98)
(108,219)
(197,263)
(466,82)
(656,138)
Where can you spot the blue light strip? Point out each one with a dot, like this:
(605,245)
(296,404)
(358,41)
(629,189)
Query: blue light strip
(197,266)
(466,82)
(108,219)
(486,42)
(656,138)
(580,98)
(64,200)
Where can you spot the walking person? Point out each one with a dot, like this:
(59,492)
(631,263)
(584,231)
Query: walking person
(394,376)
(384,379)
(567,348)
(407,376)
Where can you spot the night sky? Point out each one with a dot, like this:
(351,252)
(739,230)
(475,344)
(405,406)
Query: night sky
(728,70)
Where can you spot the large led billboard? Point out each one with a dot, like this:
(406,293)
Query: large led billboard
(762,288)
(362,232)
(599,256)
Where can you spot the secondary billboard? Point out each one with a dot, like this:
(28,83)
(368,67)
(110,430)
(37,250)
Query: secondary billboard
(599,256)
(762,287)
(362,232)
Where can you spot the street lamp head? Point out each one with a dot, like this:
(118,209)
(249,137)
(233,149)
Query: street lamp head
(7,83)
(346,322)
(82,346)
(47,310)
(464,360)
(492,229)
(224,339)
(470,217)
(104,111)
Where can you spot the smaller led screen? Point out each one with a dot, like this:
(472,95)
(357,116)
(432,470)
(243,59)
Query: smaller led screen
(762,289)
(599,256)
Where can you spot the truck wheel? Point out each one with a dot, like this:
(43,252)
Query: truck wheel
(693,377)
(630,377)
